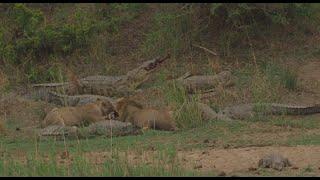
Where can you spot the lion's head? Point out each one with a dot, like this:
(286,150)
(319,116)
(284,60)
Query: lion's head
(106,108)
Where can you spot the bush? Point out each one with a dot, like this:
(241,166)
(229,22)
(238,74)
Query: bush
(186,111)
(284,76)
(237,23)
(31,41)
(173,31)
(28,39)
(115,14)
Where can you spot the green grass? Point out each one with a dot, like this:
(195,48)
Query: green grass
(163,163)
(223,132)
(186,111)
(301,123)
(304,140)
(278,74)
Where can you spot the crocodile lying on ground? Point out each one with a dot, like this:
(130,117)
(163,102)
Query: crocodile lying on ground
(198,83)
(105,85)
(244,111)
(76,100)
(193,83)
(108,128)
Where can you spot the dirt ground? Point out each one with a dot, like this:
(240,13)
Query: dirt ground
(244,159)
(230,161)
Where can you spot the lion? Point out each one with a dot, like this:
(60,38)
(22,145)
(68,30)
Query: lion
(146,118)
(79,115)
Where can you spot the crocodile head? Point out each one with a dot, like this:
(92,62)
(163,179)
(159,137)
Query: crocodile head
(137,76)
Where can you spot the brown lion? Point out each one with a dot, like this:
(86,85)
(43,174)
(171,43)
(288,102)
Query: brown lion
(79,115)
(133,112)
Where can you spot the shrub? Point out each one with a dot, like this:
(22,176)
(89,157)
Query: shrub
(186,112)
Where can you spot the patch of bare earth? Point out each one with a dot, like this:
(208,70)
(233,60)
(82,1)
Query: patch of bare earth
(230,161)
(310,75)
(243,159)
(309,81)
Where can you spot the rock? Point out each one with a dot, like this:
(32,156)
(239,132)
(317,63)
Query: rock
(222,173)
(198,166)
(275,161)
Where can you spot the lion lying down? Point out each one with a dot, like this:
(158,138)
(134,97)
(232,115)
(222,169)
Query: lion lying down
(146,118)
(80,115)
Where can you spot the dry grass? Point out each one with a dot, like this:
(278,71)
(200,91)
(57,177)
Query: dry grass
(2,127)
(3,81)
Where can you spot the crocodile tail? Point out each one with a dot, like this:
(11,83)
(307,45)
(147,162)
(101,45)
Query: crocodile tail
(295,110)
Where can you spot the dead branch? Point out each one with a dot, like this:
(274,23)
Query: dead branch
(205,49)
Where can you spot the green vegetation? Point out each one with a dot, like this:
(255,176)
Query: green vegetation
(38,165)
(34,37)
(187,114)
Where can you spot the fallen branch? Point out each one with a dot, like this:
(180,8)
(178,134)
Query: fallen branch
(186,75)
(205,49)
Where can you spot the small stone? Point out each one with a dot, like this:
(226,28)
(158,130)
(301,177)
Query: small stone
(226,146)
(252,169)
(212,145)
(204,152)
(64,155)
(222,173)
(152,148)
(198,166)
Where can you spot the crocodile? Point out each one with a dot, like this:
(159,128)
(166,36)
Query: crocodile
(193,83)
(245,111)
(199,83)
(105,85)
(107,128)
(76,100)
